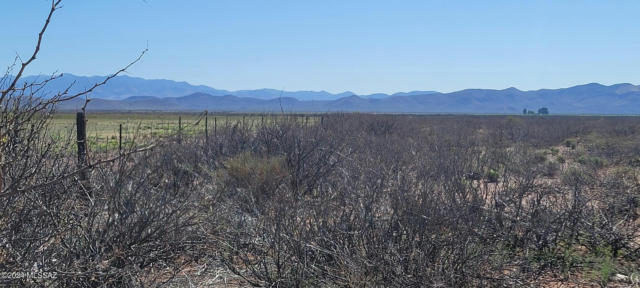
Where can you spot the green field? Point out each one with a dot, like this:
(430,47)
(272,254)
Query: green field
(103,128)
(104,125)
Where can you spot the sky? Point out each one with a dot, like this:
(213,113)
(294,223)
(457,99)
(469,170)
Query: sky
(363,46)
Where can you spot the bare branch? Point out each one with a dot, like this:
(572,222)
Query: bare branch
(54,6)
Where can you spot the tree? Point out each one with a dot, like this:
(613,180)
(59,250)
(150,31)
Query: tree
(524,111)
(543,111)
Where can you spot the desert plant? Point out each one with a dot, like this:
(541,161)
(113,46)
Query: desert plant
(492,176)
(550,169)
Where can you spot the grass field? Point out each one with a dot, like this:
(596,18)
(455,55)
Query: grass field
(105,125)
(103,128)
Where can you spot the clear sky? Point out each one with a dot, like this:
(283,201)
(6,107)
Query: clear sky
(363,46)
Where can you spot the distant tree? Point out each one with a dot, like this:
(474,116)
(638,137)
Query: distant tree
(524,111)
(531,112)
(543,111)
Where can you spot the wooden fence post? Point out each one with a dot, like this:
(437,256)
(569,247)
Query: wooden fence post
(206,127)
(179,129)
(81,131)
(215,127)
(120,139)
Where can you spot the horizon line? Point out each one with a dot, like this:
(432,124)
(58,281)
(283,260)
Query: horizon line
(333,93)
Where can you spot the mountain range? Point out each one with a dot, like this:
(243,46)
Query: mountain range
(122,87)
(126,93)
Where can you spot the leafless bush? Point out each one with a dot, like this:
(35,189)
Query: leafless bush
(400,210)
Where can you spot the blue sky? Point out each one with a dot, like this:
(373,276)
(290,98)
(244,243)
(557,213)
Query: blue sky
(361,46)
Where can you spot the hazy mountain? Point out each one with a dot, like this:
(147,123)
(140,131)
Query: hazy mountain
(411,93)
(583,99)
(123,87)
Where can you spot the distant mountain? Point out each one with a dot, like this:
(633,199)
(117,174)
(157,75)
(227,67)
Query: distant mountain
(591,98)
(124,87)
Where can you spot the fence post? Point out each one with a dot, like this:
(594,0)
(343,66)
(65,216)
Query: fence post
(215,127)
(179,129)
(120,139)
(206,126)
(81,131)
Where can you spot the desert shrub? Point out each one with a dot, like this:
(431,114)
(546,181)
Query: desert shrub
(635,161)
(514,129)
(612,223)
(598,162)
(550,169)
(381,125)
(577,177)
(592,161)
(561,159)
(254,179)
(492,176)
(130,223)
(348,203)
(341,202)
(539,157)
(603,269)
(615,147)
(570,143)
(248,170)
